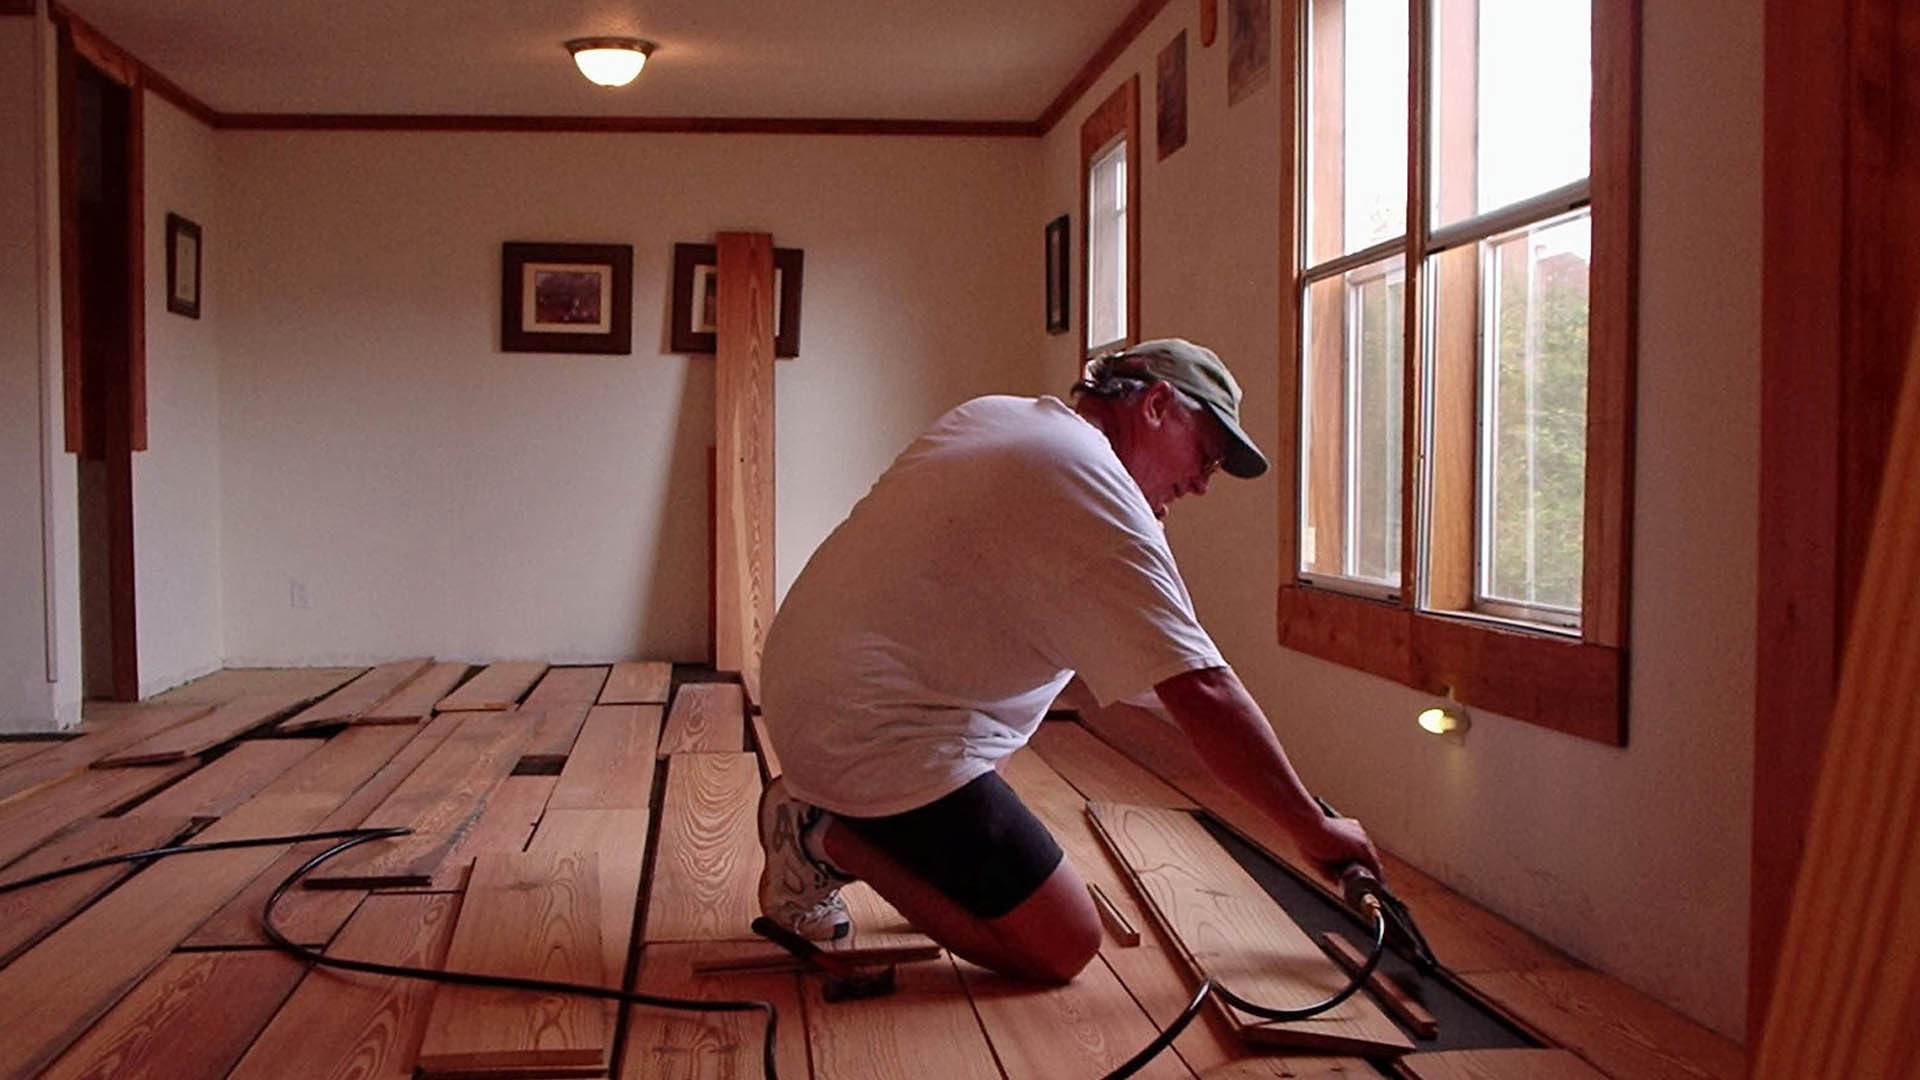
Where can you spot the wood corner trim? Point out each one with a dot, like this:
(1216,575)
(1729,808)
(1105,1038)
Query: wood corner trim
(1116,43)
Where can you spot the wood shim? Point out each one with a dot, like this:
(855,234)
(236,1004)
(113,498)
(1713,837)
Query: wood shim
(499,686)
(532,915)
(638,682)
(1495,1065)
(1226,927)
(194,1016)
(223,724)
(707,865)
(414,702)
(440,801)
(339,1024)
(613,761)
(706,718)
(346,704)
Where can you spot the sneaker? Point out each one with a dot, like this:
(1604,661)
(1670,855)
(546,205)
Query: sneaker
(797,890)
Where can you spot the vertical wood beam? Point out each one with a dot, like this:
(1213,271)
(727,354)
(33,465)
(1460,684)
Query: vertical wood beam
(743,435)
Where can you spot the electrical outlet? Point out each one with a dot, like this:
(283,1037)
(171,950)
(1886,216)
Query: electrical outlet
(297,595)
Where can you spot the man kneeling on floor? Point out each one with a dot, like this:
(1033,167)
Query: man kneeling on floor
(1014,543)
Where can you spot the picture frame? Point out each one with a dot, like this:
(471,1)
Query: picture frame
(1249,46)
(1057,241)
(566,298)
(695,294)
(1170,97)
(183,266)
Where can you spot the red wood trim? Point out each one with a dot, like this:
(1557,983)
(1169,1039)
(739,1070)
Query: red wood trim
(125,67)
(1613,322)
(1558,683)
(185,102)
(1210,22)
(1117,116)
(72,316)
(1286,444)
(699,125)
(136,282)
(1123,35)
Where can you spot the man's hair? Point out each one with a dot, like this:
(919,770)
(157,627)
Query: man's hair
(1099,379)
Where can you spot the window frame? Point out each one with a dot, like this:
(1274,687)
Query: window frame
(1117,117)
(1549,677)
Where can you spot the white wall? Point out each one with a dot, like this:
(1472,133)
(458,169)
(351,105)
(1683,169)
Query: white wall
(435,495)
(39,644)
(176,480)
(1635,859)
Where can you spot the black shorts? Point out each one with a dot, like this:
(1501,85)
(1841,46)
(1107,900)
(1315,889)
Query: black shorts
(980,845)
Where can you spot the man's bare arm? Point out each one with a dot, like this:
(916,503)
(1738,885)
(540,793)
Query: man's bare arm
(1231,734)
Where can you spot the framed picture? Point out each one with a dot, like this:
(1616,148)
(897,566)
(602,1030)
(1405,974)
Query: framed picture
(183,266)
(1170,94)
(1249,46)
(1057,275)
(696,291)
(566,298)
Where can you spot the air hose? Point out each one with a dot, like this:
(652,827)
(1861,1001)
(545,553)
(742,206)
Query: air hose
(350,838)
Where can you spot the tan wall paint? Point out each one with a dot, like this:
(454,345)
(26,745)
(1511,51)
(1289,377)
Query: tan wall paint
(438,496)
(176,480)
(1634,860)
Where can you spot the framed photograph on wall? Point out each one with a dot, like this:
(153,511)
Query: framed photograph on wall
(183,266)
(1170,97)
(1249,46)
(566,298)
(696,282)
(1057,275)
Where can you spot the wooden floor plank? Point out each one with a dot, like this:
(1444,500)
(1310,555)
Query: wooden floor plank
(1229,929)
(569,686)
(1618,1030)
(638,682)
(498,686)
(441,801)
(346,704)
(30,914)
(1152,971)
(227,781)
(503,826)
(1080,1031)
(230,684)
(528,915)
(611,767)
(708,861)
(12,750)
(53,991)
(313,916)
(1514,1064)
(194,1016)
(1392,994)
(666,1044)
(925,1028)
(224,723)
(705,718)
(1100,772)
(1467,937)
(414,702)
(342,1024)
(29,821)
(618,838)
(555,729)
(131,726)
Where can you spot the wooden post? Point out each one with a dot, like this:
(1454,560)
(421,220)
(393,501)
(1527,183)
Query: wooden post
(743,435)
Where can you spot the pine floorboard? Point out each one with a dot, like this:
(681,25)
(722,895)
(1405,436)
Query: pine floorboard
(28,821)
(158,971)
(498,686)
(705,718)
(638,682)
(348,703)
(12,750)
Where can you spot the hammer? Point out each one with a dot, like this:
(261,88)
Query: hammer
(842,981)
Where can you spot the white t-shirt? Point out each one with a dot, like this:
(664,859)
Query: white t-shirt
(1004,550)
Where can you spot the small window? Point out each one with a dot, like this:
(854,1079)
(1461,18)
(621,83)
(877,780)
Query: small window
(1110,206)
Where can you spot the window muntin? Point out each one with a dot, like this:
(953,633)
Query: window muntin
(1501,317)
(1107,246)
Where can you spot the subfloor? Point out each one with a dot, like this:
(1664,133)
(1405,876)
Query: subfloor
(581,828)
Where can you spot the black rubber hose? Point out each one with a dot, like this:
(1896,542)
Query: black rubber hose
(350,838)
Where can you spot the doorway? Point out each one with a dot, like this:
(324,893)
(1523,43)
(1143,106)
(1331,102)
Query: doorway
(102,304)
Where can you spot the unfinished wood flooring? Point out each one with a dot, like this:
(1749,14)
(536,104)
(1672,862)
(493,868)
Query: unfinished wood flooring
(162,973)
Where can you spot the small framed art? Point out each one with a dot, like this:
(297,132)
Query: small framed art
(183,266)
(696,292)
(1057,275)
(566,298)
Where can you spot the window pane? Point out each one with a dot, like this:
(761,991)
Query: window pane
(1107,247)
(1512,93)
(1356,125)
(1533,475)
(1352,383)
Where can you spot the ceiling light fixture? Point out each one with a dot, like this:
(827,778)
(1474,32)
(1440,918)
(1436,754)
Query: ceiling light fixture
(1447,720)
(610,61)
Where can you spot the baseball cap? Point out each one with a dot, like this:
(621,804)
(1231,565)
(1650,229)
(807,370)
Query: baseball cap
(1196,371)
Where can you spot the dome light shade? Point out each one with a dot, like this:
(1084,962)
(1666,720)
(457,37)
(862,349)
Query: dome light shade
(610,61)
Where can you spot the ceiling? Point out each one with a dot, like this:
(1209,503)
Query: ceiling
(950,60)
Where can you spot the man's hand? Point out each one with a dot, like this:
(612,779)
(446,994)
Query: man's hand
(1337,843)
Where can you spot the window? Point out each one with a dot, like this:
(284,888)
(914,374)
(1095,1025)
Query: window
(1459,305)
(1110,207)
